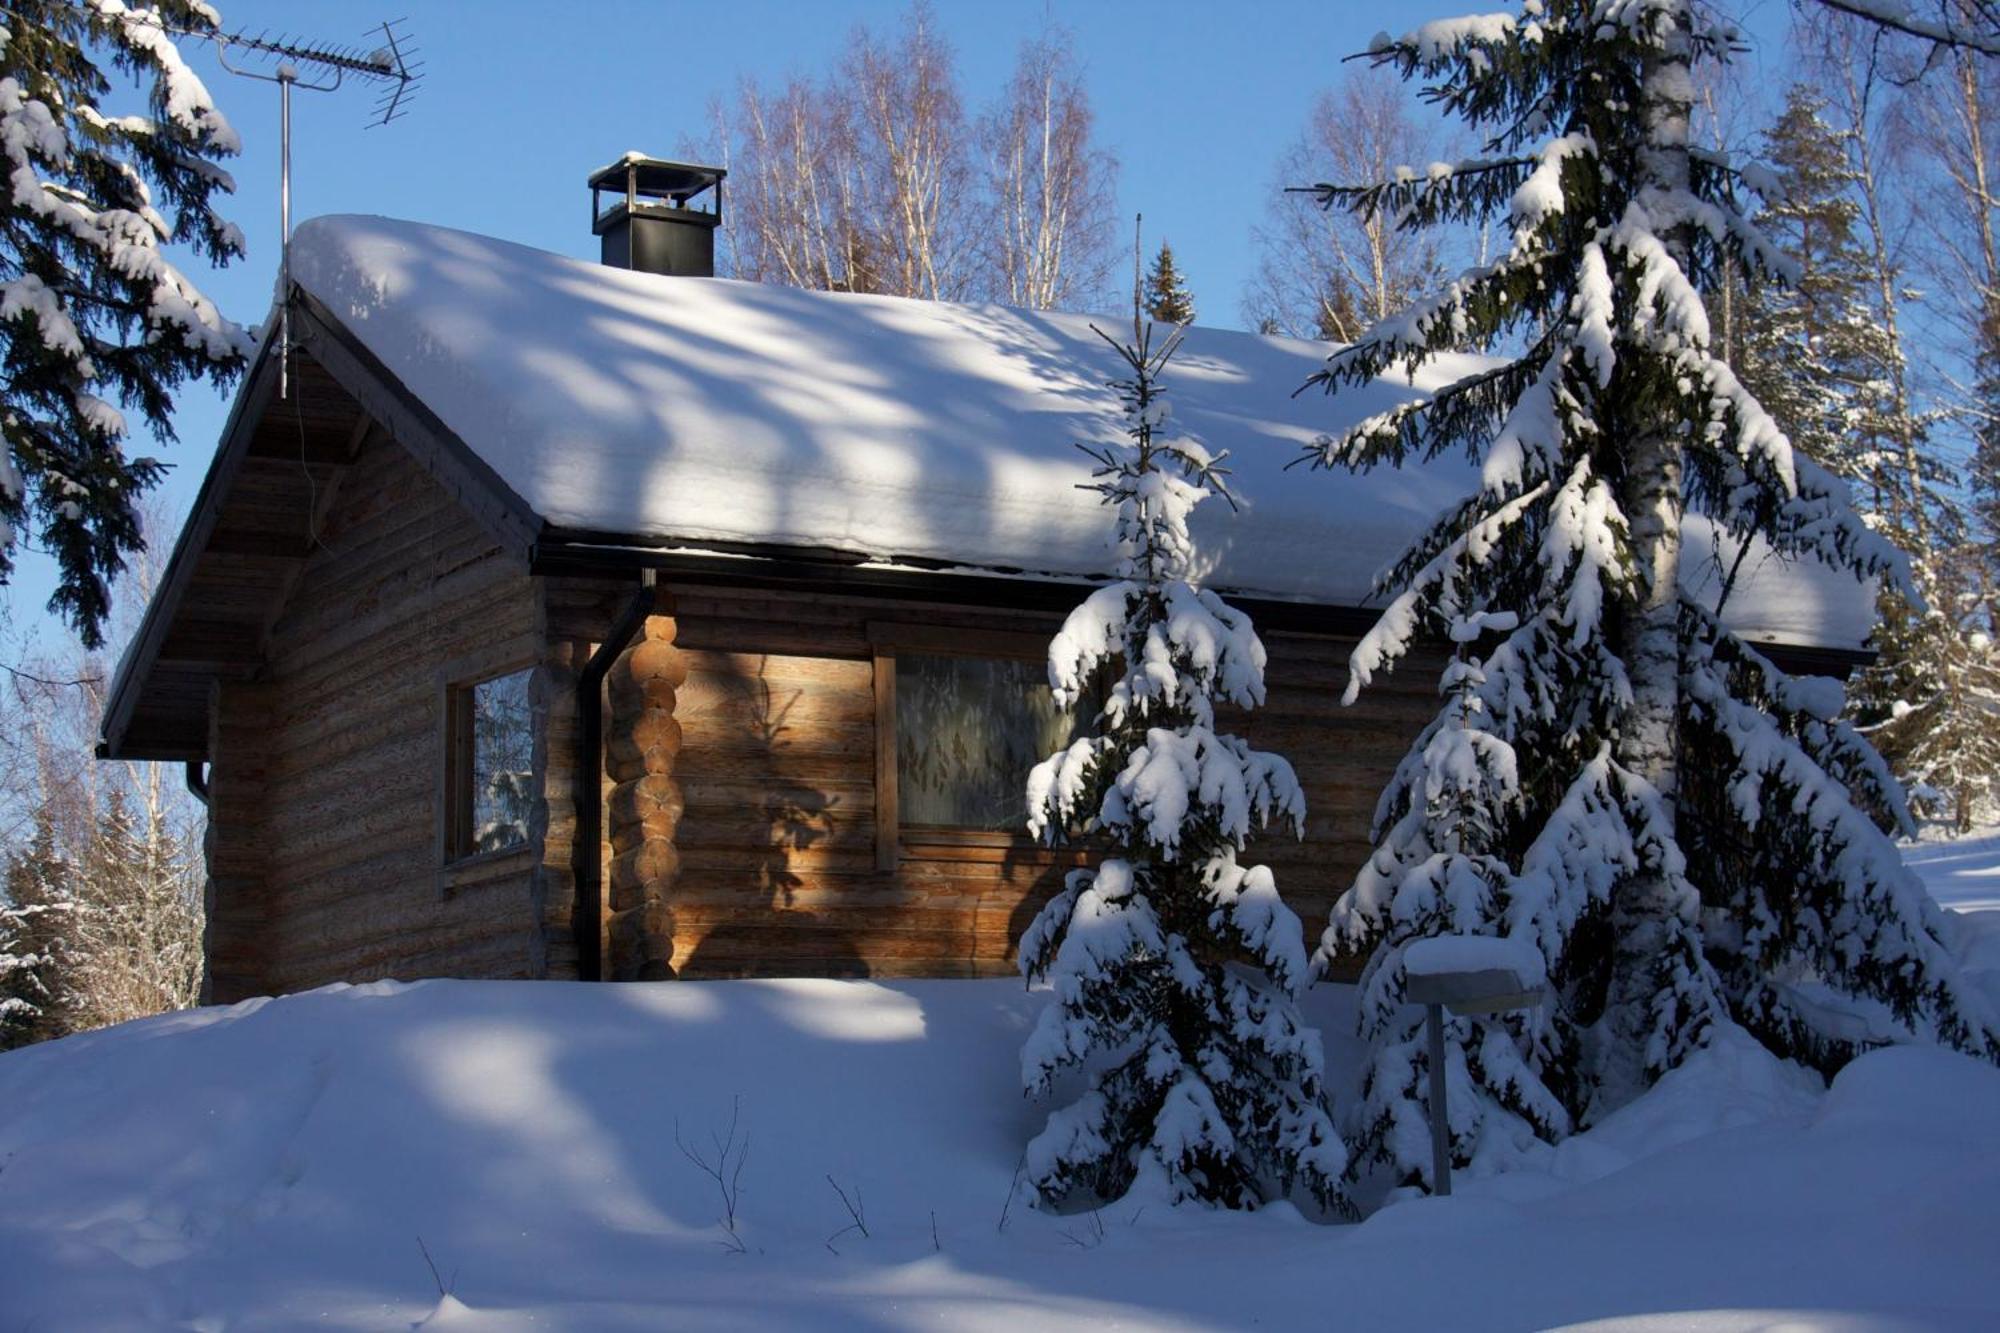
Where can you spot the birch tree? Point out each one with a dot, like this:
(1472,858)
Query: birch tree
(1051,187)
(1329,273)
(918,213)
(1926,699)
(103,877)
(793,186)
(873,178)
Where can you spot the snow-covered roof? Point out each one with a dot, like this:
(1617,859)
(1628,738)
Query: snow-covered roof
(704,411)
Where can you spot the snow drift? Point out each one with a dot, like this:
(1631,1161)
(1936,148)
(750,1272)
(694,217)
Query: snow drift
(273,1165)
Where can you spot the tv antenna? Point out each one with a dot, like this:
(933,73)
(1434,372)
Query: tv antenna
(388,66)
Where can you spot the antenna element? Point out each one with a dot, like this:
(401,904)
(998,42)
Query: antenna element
(390,66)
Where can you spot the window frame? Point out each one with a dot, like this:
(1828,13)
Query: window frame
(893,840)
(456,800)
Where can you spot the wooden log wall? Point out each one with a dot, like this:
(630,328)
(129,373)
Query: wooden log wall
(643,814)
(404,593)
(776,869)
(552,885)
(236,928)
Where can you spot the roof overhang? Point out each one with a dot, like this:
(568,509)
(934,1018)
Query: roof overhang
(807,569)
(254,522)
(280,459)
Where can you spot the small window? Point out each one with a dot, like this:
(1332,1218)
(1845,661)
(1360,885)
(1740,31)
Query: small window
(489,766)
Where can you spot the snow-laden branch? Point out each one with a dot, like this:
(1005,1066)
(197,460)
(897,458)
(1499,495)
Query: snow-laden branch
(1898,16)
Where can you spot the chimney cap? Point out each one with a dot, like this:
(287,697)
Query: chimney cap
(656,178)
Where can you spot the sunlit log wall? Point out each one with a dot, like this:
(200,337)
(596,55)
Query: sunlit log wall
(775,866)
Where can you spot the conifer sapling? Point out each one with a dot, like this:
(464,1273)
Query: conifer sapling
(1175,968)
(1167,297)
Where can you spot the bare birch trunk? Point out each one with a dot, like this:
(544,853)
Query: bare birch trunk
(1332,274)
(1647,908)
(1052,191)
(1905,506)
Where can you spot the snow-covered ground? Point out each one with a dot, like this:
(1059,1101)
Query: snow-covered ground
(1963,874)
(276,1165)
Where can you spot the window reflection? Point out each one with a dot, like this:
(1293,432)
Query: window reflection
(968,729)
(503,744)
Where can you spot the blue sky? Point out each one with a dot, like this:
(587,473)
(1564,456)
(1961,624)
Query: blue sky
(520,102)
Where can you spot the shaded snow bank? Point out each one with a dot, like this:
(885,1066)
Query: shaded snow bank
(271,1166)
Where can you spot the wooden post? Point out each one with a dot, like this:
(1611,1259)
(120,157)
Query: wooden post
(1440,1115)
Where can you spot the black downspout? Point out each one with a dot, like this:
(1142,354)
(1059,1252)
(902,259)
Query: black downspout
(197,781)
(587,843)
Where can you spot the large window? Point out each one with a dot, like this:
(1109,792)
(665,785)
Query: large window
(968,729)
(962,717)
(489,761)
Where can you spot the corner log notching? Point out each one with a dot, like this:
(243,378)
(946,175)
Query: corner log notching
(645,804)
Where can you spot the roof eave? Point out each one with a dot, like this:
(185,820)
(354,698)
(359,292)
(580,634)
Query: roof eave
(468,478)
(259,384)
(589,552)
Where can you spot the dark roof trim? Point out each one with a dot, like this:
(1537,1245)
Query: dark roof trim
(806,569)
(1804,659)
(588,544)
(137,664)
(586,554)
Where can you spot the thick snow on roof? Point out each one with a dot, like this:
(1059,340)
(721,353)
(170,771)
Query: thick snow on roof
(707,411)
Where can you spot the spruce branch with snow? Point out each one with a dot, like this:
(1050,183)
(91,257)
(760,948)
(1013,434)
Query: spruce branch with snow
(35,999)
(1593,715)
(1827,945)
(1971,26)
(1176,968)
(95,320)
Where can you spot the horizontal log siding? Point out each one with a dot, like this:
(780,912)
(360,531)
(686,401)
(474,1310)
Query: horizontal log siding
(403,590)
(236,933)
(777,870)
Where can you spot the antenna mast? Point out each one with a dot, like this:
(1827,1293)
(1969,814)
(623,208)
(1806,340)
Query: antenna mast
(390,67)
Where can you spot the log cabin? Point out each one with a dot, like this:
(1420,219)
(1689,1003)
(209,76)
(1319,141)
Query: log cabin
(540,618)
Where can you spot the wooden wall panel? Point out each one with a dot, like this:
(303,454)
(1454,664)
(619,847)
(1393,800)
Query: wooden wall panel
(778,872)
(403,591)
(236,932)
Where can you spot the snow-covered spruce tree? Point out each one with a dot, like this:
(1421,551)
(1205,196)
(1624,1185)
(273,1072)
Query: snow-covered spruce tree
(1813,351)
(1825,357)
(1175,968)
(36,985)
(93,317)
(1821,359)
(1983,469)
(1618,727)
(1444,869)
(1167,296)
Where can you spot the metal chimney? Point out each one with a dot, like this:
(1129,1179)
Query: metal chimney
(649,225)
